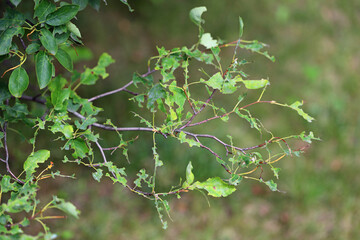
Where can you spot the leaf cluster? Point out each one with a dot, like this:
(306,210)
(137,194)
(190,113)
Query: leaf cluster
(172,101)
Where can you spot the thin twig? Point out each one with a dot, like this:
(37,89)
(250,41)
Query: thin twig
(119,89)
(7,155)
(23,43)
(132,93)
(111,92)
(202,108)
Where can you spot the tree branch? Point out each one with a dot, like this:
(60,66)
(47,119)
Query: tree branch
(202,108)
(111,92)
(7,155)
(120,89)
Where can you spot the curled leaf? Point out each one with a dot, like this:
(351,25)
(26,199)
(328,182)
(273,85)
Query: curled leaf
(195,15)
(255,84)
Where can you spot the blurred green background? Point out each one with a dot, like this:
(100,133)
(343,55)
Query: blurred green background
(318,60)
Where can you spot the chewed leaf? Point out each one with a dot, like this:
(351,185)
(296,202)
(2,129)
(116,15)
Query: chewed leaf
(255,84)
(98,174)
(191,142)
(307,138)
(216,81)
(155,93)
(272,185)
(105,60)
(296,106)
(33,160)
(215,187)
(66,207)
(195,15)
(207,41)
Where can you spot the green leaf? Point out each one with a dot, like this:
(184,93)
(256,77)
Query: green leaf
(207,41)
(215,187)
(48,41)
(255,84)
(74,29)
(189,176)
(66,207)
(190,141)
(17,205)
(241,27)
(229,86)
(62,15)
(88,77)
(307,138)
(216,81)
(68,131)
(43,68)
(147,81)
(127,4)
(105,60)
(272,185)
(235,179)
(18,82)
(12,18)
(296,106)
(98,174)
(276,172)
(6,185)
(58,83)
(195,15)
(82,3)
(44,8)
(257,47)
(6,38)
(155,93)
(80,148)
(15,2)
(64,59)
(179,96)
(95,4)
(59,96)
(119,172)
(33,160)
(32,48)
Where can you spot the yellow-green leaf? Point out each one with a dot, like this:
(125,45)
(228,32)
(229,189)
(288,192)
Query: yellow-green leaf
(241,27)
(215,187)
(74,29)
(216,81)
(296,106)
(189,176)
(255,84)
